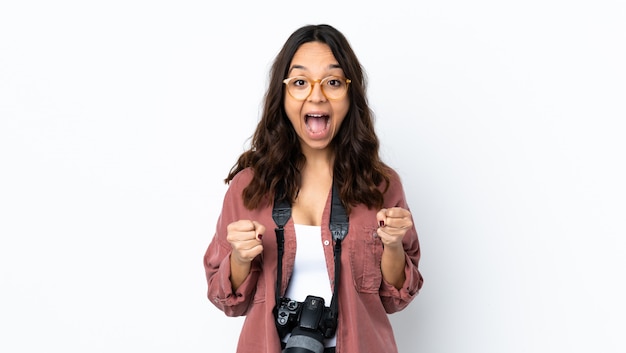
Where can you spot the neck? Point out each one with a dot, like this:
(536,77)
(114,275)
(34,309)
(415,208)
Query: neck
(319,159)
(318,165)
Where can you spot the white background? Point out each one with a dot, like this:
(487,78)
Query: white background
(120,119)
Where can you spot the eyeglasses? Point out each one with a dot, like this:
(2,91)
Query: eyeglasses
(333,87)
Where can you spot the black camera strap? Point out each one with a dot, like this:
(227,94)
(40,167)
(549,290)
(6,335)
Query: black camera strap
(281,214)
(339,225)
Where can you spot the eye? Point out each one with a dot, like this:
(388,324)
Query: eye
(334,82)
(300,82)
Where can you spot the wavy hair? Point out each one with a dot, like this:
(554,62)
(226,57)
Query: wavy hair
(275,155)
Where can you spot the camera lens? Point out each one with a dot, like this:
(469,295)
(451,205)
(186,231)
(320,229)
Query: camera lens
(304,341)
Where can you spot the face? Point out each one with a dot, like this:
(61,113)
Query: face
(315,119)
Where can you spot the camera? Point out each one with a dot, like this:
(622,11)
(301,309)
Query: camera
(309,323)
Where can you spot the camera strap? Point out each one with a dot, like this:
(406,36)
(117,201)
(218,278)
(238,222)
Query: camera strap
(339,226)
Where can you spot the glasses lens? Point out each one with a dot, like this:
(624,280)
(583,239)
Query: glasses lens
(334,87)
(299,87)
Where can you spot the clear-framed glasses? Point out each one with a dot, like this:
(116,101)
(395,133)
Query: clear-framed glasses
(333,87)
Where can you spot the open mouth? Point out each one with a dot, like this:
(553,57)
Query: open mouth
(316,123)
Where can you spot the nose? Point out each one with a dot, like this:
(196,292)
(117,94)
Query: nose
(317,94)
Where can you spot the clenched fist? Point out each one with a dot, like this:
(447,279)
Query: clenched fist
(245,238)
(394,223)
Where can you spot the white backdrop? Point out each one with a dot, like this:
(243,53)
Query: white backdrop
(120,119)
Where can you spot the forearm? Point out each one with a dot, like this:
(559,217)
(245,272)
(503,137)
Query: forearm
(392,265)
(239,271)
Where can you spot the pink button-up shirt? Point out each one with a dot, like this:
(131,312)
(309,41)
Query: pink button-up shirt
(365,298)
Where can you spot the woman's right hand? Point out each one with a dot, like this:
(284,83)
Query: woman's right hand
(245,238)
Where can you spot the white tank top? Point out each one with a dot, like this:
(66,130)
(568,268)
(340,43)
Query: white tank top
(310,275)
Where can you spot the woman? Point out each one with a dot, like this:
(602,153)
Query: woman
(316,131)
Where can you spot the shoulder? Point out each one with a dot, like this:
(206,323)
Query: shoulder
(242,179)
(239,182)
(395,190)
(394,179)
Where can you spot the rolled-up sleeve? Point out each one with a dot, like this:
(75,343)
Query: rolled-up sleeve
(394,299)
(217,259)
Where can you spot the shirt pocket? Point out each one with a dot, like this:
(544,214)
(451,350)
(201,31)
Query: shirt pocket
(366,251)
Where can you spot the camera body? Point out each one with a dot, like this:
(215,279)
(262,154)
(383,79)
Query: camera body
(309,322)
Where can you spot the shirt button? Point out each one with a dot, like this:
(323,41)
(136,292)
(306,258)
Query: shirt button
(326,242)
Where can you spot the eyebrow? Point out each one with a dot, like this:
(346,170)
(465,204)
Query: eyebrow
(300,67)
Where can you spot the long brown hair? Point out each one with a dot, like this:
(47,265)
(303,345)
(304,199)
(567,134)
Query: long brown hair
(275,155)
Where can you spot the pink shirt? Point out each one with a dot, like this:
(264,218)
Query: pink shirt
(365,298)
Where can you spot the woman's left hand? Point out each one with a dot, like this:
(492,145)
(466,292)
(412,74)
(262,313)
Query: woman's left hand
(394,223)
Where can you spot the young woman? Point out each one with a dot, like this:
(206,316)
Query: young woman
(316,131)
